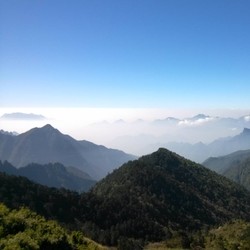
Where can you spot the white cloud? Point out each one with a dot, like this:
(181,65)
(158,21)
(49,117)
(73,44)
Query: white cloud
(247,118)
(197,122)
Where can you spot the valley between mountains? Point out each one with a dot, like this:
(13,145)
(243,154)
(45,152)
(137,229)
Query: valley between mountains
(92,197)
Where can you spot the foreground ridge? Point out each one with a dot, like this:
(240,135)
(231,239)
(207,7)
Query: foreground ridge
(159,197)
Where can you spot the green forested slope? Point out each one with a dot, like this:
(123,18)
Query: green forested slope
(162,193)
(59,204)
(23,229)
(160,197)
(233,235)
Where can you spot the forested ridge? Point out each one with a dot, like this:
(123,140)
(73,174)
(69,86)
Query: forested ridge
(159,197)
(161,194)
(59,204)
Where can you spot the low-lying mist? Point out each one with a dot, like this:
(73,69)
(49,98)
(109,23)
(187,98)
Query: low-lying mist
(135,131)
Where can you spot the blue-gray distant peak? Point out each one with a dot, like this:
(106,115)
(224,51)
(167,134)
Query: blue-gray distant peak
(200,116)
(46,131)
(246,131)
(48,127)
(22,116)
(8,133)
(48,145)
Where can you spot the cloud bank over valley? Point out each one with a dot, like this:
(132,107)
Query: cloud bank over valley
(136,131)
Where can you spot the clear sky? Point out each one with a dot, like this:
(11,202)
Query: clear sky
(125,53)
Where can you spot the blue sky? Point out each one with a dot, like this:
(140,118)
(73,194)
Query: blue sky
(125,54)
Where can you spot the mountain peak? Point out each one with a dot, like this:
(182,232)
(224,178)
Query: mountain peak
(200,116)
(22,116)
(246,131)
(48,127)
(48,145)
(46,130)
(162,182)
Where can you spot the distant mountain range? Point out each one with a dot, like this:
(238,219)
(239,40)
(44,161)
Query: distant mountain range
(235,166)
(143,137)
(22,116)
(8,133)
(199,152)
(48,145)
(52,175)
(197,118)
(188,121)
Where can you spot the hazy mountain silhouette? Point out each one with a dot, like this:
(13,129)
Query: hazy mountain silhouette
(240,173)
(22,116)
(222,163)
(8,133)
(149,136)
(200,151)
(52,175)
(235,166)
(48,145)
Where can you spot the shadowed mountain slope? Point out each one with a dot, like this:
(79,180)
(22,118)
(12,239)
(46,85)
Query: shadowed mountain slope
(149,199)
(48,145)
(222,163)
(235,166)
(163,192)
(52,175)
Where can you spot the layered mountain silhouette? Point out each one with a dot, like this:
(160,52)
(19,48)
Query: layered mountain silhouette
(153,198)
(52,175)
(235,166)
(144,137)
(199,152)
(48,145)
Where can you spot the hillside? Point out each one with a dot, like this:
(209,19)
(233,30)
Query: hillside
(235,166)
(222,163)
(58,204)
(233,235)
(230,236)
(48,145)
(240,173)
(24,229)
(159,197)
(52,175)
(163,193)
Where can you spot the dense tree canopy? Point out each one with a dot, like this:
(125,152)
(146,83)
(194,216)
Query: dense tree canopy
(23,229)
(160,197)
